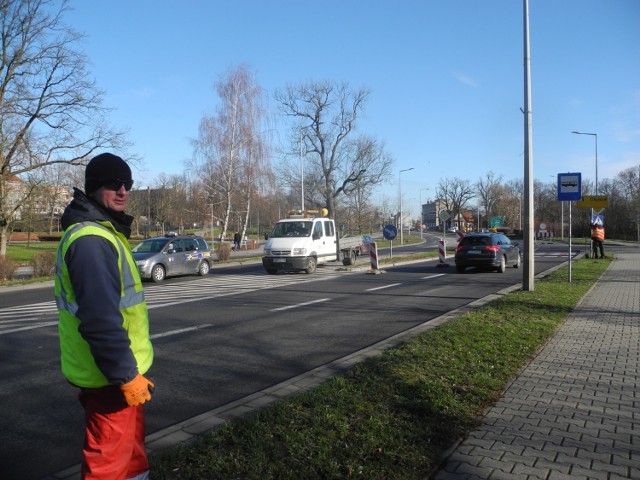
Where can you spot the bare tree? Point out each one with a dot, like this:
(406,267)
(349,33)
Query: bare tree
(325,115)
(489,190)
(455,193)
(369,156)
(254,171)
(54,189)
(230,148)
(510,203)
(50,110)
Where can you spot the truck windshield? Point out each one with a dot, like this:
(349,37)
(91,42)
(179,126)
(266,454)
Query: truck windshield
(291,229)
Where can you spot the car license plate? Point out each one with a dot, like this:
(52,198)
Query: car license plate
(279,260)
(473,252)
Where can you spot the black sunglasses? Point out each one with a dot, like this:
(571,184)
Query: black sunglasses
(115,184)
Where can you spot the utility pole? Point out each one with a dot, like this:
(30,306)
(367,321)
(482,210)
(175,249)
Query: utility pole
(529,267)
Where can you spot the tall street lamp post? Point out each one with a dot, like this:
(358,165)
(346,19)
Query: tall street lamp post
(595,135)
(302,129)
(561,214)
(421,211)
(400,192)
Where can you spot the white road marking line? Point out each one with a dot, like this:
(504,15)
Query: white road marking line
(31,327)
(383,287)
(300,304)
(180,330)
(432,276)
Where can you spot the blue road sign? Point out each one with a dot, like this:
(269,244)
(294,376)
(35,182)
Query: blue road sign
(569,187)
(390,232)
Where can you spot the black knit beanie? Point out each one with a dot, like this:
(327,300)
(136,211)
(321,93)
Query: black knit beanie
(103,168)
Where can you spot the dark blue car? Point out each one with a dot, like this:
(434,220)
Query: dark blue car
(487,250)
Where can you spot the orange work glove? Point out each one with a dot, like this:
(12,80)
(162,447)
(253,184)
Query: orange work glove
(137,391)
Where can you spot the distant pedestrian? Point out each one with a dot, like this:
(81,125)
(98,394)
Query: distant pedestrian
(597,238)
(104,323)
(237,238)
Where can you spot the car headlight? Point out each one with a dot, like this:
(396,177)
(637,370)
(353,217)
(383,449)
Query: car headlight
(267,251)
(299,251)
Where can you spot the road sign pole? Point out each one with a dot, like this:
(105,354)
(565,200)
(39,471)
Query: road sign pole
(569,242)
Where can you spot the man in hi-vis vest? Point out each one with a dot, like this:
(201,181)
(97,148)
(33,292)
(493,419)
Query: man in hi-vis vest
(104,323)
(597,238)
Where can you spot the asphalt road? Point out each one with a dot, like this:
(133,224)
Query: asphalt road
(218,339)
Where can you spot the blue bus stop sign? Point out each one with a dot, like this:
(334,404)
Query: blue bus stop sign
(389,232)
(569,187)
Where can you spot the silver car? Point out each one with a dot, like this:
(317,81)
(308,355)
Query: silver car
(161,257)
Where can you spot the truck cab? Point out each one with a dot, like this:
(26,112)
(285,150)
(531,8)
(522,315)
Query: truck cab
(300,244)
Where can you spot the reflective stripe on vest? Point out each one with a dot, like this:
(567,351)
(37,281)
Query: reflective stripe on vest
(128,295)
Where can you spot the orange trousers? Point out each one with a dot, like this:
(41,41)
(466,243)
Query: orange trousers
(114,436)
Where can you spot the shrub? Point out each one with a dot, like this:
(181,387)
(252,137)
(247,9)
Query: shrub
(43,264)
(224,251)
(7,268)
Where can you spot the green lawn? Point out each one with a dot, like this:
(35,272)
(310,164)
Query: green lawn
(22,254)
(393,416)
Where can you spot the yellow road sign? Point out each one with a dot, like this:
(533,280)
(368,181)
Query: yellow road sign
(593,201)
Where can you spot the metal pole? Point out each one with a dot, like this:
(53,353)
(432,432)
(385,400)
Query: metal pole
(301,175)
(148,211)
(595,135)
(569,242)
(421,210)
(400,192)
(562,221)
(529,270)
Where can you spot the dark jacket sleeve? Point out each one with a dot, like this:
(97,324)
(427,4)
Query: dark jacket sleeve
(92,262)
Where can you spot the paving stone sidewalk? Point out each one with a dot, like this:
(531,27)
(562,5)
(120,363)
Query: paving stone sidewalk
(574,412)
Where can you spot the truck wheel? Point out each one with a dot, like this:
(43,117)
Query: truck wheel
(311,265)
(351,259)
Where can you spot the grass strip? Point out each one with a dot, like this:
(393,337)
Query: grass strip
(21,253)
(392,416)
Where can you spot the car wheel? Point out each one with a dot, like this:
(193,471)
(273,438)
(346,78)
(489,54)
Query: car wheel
(272,271)
(503,264)
(517,264)
(204,268)
(311,265)
(460,268)
(158,273)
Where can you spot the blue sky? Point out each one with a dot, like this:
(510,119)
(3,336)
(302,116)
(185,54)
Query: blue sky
(446,77)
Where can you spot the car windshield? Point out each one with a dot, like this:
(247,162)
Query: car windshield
(150,246)
(291,229)
(469,240)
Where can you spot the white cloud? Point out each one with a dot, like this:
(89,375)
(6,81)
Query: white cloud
(465,79)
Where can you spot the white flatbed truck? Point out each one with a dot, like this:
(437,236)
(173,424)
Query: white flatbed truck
(302,243)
